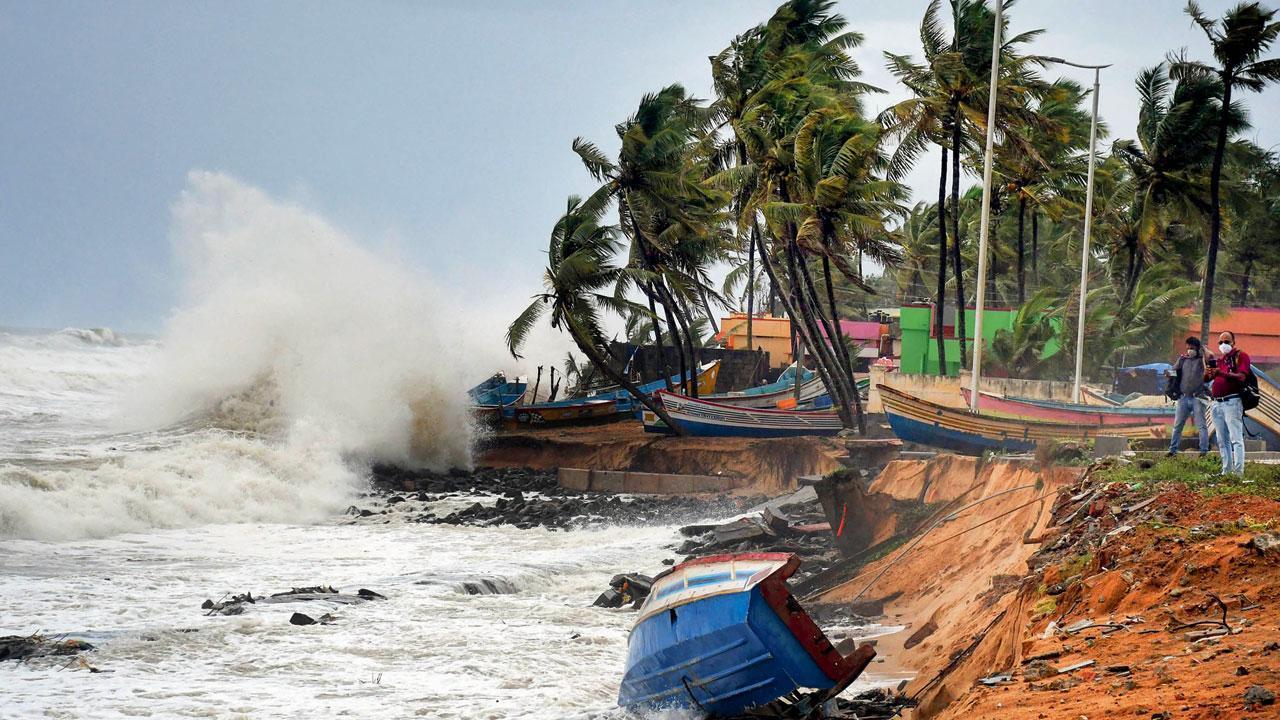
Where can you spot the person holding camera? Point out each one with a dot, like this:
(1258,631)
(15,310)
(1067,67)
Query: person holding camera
(1226,377)
(1187,386)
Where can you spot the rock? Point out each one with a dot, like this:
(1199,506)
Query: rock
(22,647)
(1241,671)
(301,619)
(370,595)
(395,500)
(1258,696)
(1265,544)
(366,513)
(609,599)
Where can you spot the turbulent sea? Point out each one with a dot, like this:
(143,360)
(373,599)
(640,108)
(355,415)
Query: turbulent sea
(141,475)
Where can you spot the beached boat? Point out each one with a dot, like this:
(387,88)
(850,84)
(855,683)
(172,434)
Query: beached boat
(710,419)
(1071,413)
(779,391)
(708,375)
(491,397)
(601,405)
(957,429)
(723,634)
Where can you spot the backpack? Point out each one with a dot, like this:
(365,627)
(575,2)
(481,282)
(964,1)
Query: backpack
(1250,396)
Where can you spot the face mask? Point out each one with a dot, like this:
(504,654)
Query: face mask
(1190,353)
(1224,347)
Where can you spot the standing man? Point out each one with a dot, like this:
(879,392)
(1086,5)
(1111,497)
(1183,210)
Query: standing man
(1189,372)
(1227,376)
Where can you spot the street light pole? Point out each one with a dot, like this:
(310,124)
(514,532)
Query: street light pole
(1088,220)
(986,210)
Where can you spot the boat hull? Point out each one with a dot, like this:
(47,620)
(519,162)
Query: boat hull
(1069,413)
(926,423)
(724,635)
(569,412)
(702,418)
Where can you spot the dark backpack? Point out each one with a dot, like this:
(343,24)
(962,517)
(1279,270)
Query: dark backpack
(1250,396)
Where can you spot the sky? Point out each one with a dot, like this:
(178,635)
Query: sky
(437,132)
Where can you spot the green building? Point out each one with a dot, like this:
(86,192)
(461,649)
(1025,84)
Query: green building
(919,348)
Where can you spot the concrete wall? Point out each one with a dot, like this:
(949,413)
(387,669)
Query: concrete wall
(946,390)
(626,481)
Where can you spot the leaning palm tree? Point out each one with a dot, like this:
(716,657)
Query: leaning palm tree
(1239,40)
(1168,160)
(579,270)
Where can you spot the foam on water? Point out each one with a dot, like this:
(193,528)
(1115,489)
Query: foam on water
(295,357)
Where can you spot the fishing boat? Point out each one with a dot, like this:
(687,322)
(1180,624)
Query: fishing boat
(723,634)
(600,405)
(960,430)
(708,375)
(1072,413)
(704,418)
(779,391)
(491,397)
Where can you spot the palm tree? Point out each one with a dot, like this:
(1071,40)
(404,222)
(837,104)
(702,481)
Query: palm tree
(662,202)
(918,239)
(579,269)
(1238,40)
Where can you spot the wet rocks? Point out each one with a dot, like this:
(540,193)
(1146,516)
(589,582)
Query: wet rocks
(19,647)
(237,604)
(304,619)
(626,589)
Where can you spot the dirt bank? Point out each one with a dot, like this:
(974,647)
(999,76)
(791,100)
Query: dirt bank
(1116,568)
(955,578)
(771,464)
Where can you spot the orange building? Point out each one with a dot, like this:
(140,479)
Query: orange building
(1257,332)
(768,333)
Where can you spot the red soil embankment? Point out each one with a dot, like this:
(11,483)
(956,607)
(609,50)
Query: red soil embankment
(772,465)
(962,573)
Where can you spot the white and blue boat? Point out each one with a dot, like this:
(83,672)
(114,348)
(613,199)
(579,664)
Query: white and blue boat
(723,634)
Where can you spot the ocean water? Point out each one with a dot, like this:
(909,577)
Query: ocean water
(141,475)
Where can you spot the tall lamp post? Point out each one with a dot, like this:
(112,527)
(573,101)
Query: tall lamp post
(986,209)
(1088,219)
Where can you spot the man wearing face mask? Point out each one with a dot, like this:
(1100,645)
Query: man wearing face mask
(1226,376)
(1188,372)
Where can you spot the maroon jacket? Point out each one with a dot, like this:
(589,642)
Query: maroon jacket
(1227,379)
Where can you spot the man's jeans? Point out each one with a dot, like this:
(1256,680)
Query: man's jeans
(1228,422)
(1190,407)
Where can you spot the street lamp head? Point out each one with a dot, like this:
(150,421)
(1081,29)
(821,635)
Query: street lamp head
(1060,61)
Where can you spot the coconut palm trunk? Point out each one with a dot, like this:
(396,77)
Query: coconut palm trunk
(598,360)
(957,261)
(797,326)
(844,348)
(657,338)
(1215,216)
(940,300)
(1022,253)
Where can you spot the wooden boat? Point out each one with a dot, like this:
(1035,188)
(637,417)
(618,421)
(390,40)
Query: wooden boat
(708,375)
(920,421)
(598,406)
(1072,413)
(723,634)
(491,397)
(709,419)
(779,391)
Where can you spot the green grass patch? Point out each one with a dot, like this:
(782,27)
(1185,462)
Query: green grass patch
(1197,474)
(1045,607)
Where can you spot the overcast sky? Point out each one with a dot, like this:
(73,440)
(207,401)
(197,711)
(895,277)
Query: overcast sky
(439,130)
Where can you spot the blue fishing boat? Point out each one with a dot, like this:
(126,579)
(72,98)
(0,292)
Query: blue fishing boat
(491,397)
(710,419)
(708,375)
(723,635)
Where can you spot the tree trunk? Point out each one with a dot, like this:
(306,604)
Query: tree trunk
(751,282)
(677,342)
(844,350)
(957,260)
(588,348)
(822,345)
(1022,254)
(1244,283)
(940,300)
(1035,247)
(536,383)
(657,339)
(555,387)
(1215,201)
(685,318)
(797,326)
